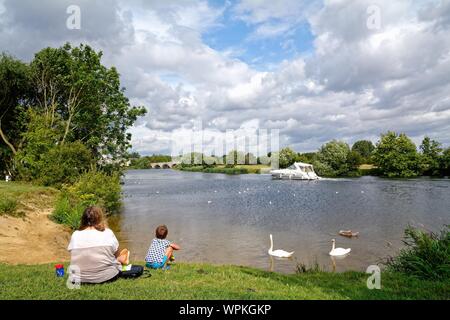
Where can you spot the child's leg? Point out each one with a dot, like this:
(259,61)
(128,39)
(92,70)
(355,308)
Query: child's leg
(124,257)
(169,253)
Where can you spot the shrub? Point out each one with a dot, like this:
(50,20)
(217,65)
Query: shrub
(99,188)
(68,211)
(303,268)
(7,205)
(63,164)
(51,164)
(92,188)
(426,256)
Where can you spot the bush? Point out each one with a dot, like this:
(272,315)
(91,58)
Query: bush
(63,164)
(51,164)
(92,188)
(68,211)
(426,256)
(98,188)
(7,205)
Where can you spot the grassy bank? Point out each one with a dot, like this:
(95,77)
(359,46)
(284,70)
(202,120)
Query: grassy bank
(202,281)
(17,198)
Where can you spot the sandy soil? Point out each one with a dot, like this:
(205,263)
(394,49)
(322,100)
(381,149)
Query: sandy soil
(34,239)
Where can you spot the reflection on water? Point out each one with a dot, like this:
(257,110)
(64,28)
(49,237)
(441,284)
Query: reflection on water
(227,219)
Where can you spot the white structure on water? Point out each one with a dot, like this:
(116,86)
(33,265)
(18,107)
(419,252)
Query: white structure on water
(298,171)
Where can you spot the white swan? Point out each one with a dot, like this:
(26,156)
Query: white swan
(278,253)
(335,252)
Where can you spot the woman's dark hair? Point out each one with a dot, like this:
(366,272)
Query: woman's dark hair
(161,232)
(93,217)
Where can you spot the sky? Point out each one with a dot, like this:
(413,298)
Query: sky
(314,70)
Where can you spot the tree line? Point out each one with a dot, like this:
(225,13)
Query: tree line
(143,162)
(394,155)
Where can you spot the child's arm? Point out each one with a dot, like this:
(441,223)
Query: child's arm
(175,246)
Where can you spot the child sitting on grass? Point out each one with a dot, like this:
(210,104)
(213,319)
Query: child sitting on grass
(161,250)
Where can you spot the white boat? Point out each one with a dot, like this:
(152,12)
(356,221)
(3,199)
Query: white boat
(298,171)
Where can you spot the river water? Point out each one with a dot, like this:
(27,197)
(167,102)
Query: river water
(225,219)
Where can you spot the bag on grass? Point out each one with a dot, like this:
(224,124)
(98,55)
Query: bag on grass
(132,271)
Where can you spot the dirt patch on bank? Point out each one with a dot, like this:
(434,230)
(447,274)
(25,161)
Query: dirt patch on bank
(33,239)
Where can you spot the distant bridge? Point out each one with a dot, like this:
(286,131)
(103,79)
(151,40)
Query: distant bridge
(163,165)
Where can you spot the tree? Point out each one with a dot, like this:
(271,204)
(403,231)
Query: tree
(73,84)
(250,159)
(286,157)
(14,87)
(365,149)
(234,157)
(333,159)
(430,157)
(354,160)
(307,157)
(445,162)
(45,160)
(77,98)
(396,156)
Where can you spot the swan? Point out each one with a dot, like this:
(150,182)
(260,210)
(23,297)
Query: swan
(338,251)
(278,253)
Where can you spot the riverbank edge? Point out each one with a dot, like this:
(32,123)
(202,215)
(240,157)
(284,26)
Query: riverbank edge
(203,281)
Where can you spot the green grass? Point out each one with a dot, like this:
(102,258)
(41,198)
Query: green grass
(204,281)
(7,205)
(15,197)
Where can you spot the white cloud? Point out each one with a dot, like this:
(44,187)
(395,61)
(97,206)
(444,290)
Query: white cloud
(356,83)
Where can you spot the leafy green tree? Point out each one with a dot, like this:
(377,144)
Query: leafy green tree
(365,149)
(134,155)
(308,157)
(235,157)
(14,89)
(64,163)
(286,157)
(445,162)
(264,159)
(430,157)
(45,160)
(37,141)
(78,99)
(396,156)
(250,159)
(159,158)
(140,163)
(333,159)
(354,159)
(71,82)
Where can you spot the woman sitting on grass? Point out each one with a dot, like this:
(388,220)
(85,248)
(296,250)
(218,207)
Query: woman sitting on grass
(95,250)
(161,250)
